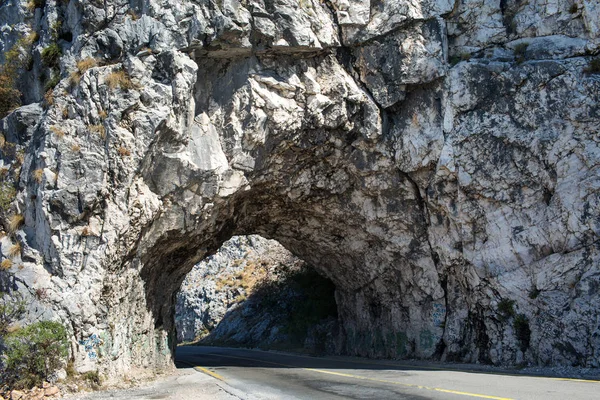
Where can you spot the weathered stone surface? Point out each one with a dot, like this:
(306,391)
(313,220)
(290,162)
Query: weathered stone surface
(255,293)
(453,204)
(16,395)
(414,55)
(222,282)
(51,391)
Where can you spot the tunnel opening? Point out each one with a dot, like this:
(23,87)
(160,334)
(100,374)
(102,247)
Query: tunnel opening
(254,293)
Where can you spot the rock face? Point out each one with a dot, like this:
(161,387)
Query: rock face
(437,161)
(223,282)
(255,293)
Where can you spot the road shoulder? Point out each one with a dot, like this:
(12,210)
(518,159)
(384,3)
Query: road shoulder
(183,384)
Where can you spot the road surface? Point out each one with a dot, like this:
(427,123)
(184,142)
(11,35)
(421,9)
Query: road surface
(251,374)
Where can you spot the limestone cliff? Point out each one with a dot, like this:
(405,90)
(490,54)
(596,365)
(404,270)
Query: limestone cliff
(437,160)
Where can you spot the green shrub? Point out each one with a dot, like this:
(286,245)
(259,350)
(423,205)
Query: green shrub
(594,66)
(93,379)
(506,308)
(522,331)
(51,55)
(453,60)
(56,28)
(534,292)
(10,97)
(574,8)
(52,82)
(520,50)
(15,60)
(7,195)
(33,353)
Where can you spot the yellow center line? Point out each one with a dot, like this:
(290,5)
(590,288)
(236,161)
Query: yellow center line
(208,372)
(453,369)
(411,385)
(483,396)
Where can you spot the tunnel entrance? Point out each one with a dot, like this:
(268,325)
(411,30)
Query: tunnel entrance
(254,293)
(324,186)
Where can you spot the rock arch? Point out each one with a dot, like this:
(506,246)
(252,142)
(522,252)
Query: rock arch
(444,180)
(307,176)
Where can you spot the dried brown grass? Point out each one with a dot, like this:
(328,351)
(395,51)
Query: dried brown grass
(82,67)
(57,131)
(38,175)
(123,151)
(120,79)
(99,129)
(6,264)
(14,250)
(15,222)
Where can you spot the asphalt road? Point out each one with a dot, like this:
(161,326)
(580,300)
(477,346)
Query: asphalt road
(251,374)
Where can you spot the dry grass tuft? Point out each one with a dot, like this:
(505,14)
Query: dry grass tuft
(85,64)
(16,221)
(20,157)
(248,278)
(38,175)
(124,152)
(133,14)
(31,38)
(120,79)
(57,131)
(415,120)
(75,77)
(99,129)
(75,148)
(31,6)
(49,98)
(6,264)
(14,250)
(2,141)
(102,114)
(82,66)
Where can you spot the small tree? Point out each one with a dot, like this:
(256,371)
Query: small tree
(33,353)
